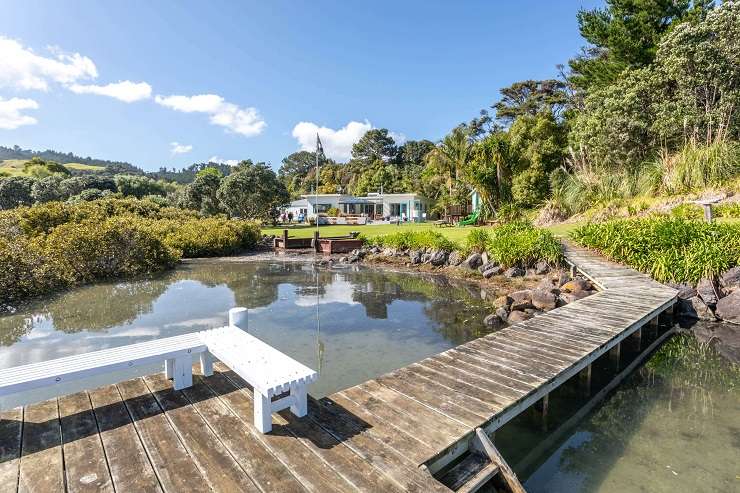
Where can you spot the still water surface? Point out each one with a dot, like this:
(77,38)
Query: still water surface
(673,425)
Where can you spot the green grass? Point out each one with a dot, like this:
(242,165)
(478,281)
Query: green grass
(14,167)
(455,233)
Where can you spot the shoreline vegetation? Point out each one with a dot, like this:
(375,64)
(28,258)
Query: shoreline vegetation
(57,245)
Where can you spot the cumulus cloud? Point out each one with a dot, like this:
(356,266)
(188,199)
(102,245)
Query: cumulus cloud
(125,90)
(243,121)
(218,160)
(10,112)
(22,69)
(177,148)
(337,143)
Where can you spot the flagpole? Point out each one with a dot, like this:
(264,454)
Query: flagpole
(319,150)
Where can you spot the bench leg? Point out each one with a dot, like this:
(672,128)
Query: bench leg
(206,364)
(169,368)
(262,413)
(183,376)
(300,400)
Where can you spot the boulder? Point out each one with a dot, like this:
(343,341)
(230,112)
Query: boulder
(484,258)
(473,261)
(521,300)
(426,258)
(388,252)
(695,308)
(517,316)
(541,267)
(708,291)
(484,267)
(566,298)
(575,285)
(493,321)
(728,308)
(514,272)
(493,271)
(502,302)
(685,291)
(415,256)
(730,278)
(544,300)
(503,314)
(438,257)
(455,258)
(549,284)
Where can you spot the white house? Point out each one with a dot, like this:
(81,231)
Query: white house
(387,206)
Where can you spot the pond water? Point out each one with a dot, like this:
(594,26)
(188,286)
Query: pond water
(673,425)
(366,322)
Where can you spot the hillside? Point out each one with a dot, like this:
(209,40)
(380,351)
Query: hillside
(12,159)
(14,167)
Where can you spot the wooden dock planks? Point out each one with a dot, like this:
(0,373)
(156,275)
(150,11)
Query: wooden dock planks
(142,436)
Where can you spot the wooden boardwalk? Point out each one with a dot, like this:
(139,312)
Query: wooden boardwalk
(387,434)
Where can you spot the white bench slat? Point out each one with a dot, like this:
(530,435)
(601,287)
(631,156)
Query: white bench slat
(264,367)
(36,375)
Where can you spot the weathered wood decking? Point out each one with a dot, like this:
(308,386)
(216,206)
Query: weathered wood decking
(141,435)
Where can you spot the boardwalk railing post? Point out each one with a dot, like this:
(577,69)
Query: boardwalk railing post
(239,317)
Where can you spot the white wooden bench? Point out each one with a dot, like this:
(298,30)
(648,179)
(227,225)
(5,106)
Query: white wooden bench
(177,353)
(269,372)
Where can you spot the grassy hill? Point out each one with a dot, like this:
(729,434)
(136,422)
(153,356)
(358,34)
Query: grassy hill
(14,167)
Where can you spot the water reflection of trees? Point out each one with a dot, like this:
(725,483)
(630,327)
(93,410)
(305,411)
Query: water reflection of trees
(454,307)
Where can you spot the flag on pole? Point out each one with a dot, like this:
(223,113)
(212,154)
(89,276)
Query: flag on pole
(319,147)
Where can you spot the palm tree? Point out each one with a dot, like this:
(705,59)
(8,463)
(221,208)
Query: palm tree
(451,156)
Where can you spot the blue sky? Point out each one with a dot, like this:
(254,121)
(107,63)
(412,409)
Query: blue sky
(237,80)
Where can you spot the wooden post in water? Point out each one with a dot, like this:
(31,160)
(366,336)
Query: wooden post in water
(636,339)
(285,239)
(540,408)
(584,378)
(316,244)
(615,355)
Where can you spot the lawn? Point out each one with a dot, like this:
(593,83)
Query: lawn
(455,233)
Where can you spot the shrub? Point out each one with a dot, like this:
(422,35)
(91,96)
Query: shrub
(56,244)
(521,244)
(688,211)
(15,191)
(332,212)
(118,247)
(668,248)
(731,209)
(207,237)
(477,240)
(415,240)
(530,187)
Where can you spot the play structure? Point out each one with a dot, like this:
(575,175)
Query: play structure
(471,219)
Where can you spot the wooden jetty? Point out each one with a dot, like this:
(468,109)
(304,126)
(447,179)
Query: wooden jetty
(399,432)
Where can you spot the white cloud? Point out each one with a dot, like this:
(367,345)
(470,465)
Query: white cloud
(22,69)
(218,160)
(10,112)
(177,148)
(337,143)
(125,90)
(244,121)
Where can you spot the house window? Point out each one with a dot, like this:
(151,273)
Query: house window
(323,207)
